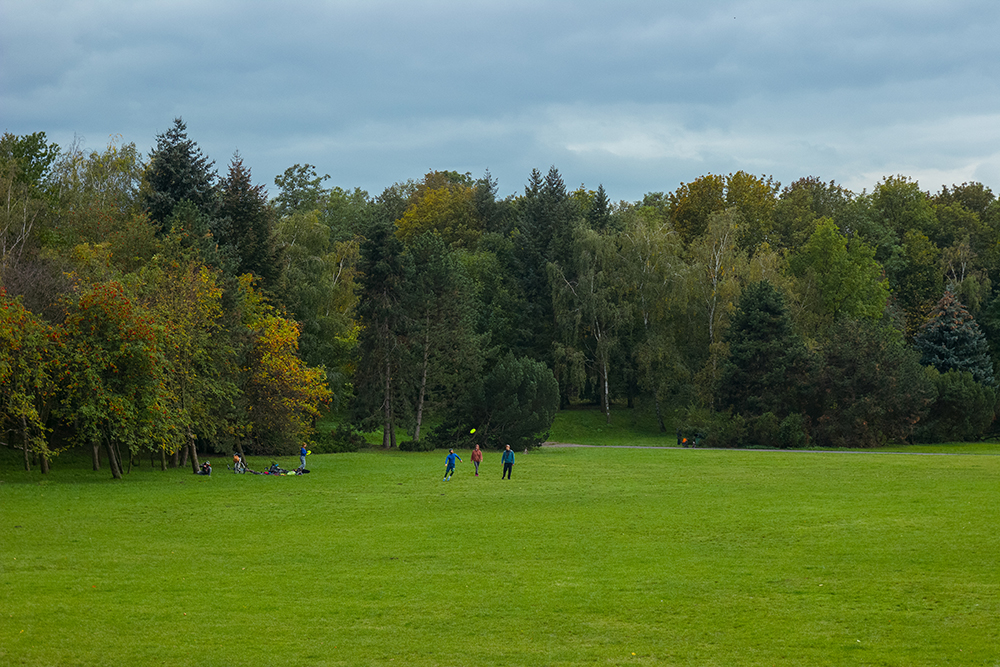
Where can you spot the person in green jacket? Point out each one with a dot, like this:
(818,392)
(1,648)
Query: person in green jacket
(508,462)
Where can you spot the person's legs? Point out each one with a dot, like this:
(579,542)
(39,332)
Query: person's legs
(476,463)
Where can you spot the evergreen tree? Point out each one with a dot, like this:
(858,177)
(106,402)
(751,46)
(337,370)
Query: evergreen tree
(872,387)
(951,340)
(178,171)
(384,272)
(245,229)
(768,367)
(599,213)
(443,348)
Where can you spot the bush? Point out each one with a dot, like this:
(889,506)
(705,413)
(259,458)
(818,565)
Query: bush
(513,405)
(764,431)
(963,410)
(340,439)
(727,431)
(792,433)
(423,445)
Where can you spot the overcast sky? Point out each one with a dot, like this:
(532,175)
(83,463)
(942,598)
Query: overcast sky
(637,95)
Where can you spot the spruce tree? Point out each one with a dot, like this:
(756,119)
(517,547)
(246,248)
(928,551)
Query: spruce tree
(768,365)
(178,171)
(245,228)
(950,339)
(385,272)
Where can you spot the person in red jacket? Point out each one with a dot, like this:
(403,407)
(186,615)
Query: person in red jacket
(477,458)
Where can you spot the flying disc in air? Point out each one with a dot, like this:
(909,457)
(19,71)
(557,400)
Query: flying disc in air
(472,431)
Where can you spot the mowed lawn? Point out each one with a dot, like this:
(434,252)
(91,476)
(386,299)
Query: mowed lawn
(586,557)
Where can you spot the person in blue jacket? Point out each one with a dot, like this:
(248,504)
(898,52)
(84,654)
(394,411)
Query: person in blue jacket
(450,464)
(302,456)
(508,462)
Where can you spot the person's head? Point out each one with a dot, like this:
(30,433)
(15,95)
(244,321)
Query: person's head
(451,451)
(508,446)
(477,446)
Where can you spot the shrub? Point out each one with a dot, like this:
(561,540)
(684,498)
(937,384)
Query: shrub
(963,410)
(792,433)
(340,439)
(764,431)
(425,444)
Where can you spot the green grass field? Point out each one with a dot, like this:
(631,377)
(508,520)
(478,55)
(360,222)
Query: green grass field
(588,556)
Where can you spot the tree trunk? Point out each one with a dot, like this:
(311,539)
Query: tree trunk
(44,463)
(194,452)
(163,459)
(24,441)
(97,455)
(175,459)
(423,388)
(659,411)
(184,456)
(605,398)
(116,471)
(388,435)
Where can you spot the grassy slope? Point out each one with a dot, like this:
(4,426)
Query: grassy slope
(586,557)
(638,428)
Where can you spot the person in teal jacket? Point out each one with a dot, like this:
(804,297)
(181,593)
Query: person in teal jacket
(508,462)
(449,469)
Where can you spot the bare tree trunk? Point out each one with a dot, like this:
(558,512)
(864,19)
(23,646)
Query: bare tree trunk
(184,456)
(44,463)
(116,471)
(423,388)
(24,442)
(659,411)
(97,455)
(388,435)
(194,452)
(605,398)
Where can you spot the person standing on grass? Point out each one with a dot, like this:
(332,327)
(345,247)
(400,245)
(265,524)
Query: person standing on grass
(449,469)
(477,458)
(508,462)
(302,456)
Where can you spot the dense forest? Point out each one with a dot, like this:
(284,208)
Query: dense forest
(151,306)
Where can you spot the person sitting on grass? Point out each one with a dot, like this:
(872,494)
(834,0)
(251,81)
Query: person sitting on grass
(450,464)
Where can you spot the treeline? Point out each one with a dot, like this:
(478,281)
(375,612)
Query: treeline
(150,304)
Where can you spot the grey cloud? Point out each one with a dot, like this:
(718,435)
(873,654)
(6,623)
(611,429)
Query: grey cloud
(638,95)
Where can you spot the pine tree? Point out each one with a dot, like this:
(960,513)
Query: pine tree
(950,339)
